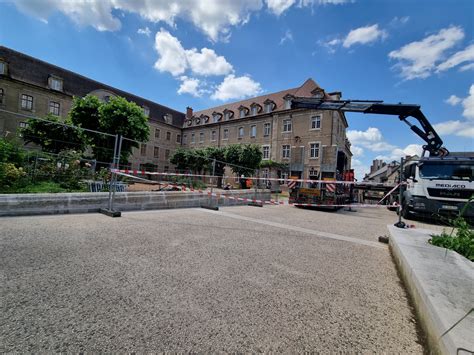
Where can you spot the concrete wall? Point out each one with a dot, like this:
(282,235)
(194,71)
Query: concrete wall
(35,204)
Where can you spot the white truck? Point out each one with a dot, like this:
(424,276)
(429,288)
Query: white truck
(439,184)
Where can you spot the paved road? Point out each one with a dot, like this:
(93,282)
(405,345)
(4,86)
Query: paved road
(241,279)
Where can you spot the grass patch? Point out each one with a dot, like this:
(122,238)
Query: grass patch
(43,187)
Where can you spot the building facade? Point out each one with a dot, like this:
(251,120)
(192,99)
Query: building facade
(313,144)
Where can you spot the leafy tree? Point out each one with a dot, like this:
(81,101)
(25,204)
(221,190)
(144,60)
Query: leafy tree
(198,160)
(218,154)
(243,159)
(180,158)
(52,137)
(118,116)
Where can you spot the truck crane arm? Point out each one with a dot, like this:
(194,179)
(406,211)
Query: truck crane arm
(434,143)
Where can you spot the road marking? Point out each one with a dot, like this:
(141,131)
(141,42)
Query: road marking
(298,229)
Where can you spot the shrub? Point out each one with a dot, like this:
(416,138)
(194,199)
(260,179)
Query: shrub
(463,240)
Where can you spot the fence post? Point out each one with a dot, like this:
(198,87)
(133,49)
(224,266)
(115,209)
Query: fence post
(113,176)
(400,224)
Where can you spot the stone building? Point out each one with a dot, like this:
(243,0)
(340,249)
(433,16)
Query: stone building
(31,87)
(312,143)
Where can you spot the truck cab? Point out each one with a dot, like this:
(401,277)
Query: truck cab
(439,186)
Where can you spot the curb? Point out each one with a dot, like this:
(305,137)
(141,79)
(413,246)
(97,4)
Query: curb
(440,283)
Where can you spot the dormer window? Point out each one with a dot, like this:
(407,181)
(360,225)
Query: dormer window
(146,111)
(168,118)
(288,99)
(55,83)
(3,68)
(204,118)
(243,111)
(268,107)
(228,114)
(255,109)
(216,117)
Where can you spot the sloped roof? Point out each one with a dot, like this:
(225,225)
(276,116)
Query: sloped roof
(304,90)
(31,70)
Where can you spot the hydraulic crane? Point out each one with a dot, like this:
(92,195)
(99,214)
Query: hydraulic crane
(434,144)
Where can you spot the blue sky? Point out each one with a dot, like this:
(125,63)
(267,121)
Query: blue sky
(204,53)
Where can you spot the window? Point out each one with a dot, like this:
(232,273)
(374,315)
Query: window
(284,177)
(168,136)
(215,118)
(201,137)
(167,154)
(3,68)
(287,104)
(178,138)
(242,113)
(285,151)
(157,133)
(192,138)
(168,118)
(241,132)
(266,129)
(226,115)
(185,138)
(253,131)
(286,125)
(213,135)
(143,149)
(254,110)
(146,111)
(226,134)
(156,152)
(54,108)
(26,102)
(266,152)
(107,98)
(316,122)
(23,124)
(268,107)
(314,150)
(55,83)
(166,169)
(2,97)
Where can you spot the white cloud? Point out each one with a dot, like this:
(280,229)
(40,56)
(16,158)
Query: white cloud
(173,58)
(236,88)
(144,31)
(467,67)
(453,100)
(357,151)
(460,128)
(468,104)
(190,86)
(370,135)
(207,62)
(364,35)
(455,127)
(279,6)
(397,153)
(419,59)
(399,21)
(213,17)
(287,37)
(172,54)
(466,55)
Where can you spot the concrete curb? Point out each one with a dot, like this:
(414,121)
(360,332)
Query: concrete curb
(441,285)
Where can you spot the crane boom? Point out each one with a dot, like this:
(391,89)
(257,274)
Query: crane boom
(434,142)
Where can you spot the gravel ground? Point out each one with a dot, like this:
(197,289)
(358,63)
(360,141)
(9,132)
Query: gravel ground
(244,279)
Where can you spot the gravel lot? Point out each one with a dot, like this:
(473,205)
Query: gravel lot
(242,279)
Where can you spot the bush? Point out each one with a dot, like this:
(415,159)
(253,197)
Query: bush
(462,242)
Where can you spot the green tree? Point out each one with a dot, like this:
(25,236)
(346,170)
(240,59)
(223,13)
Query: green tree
(180,158)
(243,159)
(217,154)
(53,137)
(118,116)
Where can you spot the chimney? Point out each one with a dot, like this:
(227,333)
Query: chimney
(189,112)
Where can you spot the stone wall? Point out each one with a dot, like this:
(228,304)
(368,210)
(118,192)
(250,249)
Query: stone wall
(36,204)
